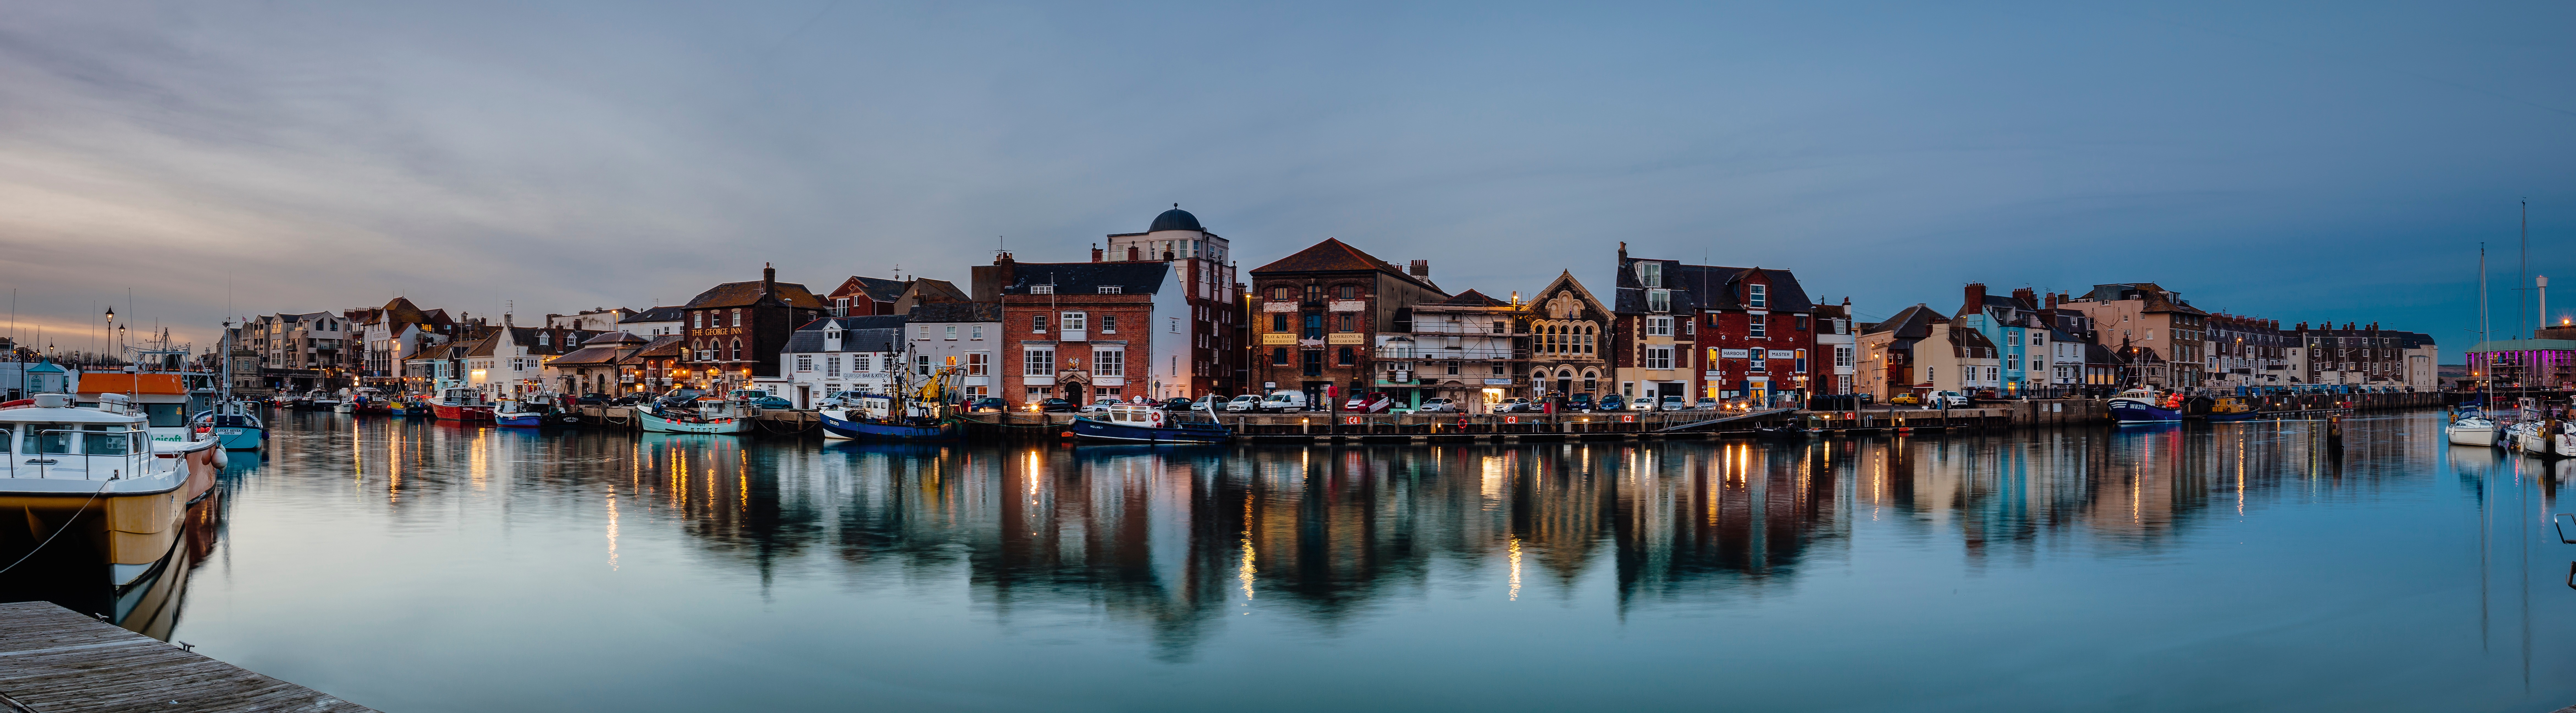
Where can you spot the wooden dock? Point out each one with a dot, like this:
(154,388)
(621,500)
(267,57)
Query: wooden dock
(52,659)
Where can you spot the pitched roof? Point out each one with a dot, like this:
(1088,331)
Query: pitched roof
(1472,298)
(616,337)
(1086,278)
(748,293)
(657,314)
(956,312)
(1333,255)
(2158,298)
(667,345)
(400,311)
(810,341)
(926,290)
(1907,327)
(873,321)
(875,288)
(594,354)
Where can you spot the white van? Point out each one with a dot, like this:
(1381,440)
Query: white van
(1284,400)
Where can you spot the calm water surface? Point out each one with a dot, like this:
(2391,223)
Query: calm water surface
(417,566)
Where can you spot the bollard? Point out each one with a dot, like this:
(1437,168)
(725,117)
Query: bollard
(2334,429)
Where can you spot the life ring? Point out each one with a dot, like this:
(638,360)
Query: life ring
(1157,418)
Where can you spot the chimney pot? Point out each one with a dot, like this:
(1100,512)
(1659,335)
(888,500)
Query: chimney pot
(1421,268)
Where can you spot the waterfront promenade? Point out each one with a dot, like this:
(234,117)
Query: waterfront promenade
(52,659)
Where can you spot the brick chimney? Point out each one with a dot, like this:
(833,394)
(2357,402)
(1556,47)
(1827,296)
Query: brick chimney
(1095,252)
(1976,297)
(2028,298)
(768,280)
(1421,268)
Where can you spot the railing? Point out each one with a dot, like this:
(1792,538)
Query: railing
(1465,328)
(1438,354)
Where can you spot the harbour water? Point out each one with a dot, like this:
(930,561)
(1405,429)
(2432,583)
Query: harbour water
(416,566)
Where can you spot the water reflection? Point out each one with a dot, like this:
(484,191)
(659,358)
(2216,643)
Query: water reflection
(1176,545)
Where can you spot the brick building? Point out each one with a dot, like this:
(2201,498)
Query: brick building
(1319,315)
(1705,331)
(1471,348)
(2146,319)
(1568,339)
(1084,330)
(1208,341)
(735,329)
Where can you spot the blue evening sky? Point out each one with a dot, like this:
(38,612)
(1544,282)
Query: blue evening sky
(2313,161)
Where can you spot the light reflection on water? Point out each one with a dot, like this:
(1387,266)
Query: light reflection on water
(414,566)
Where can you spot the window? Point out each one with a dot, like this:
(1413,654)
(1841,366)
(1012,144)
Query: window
(1314,292)
(1314,326)
(1757,364)
(1350,322)
(1659,326)
(1842,384)
(737,351)
(1659,357)
(1112,362)
(1108,324)
(737,318)
(1076,320)
(1346,357)
(804,362)
(2038,339)
(2036,365)
(1453,368)
(1314,362)
(106,444)
(1041,289)
(1176,325)
(952,332)
(860,362)
(1650,274)
(1037,324)
(921,332)
(1113,289)
(841,307)
(1282,293)
(1757,326)
(1279,356)
(697,320)
(831,365)
(921,365)
(1039,362)
(975,364)
(1842,355)
(1659,300)
(1041,393)
(975,331)
(1347,292)
(1278,322)
(1801,364)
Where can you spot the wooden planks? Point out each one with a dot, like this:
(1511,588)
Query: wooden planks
(52,659)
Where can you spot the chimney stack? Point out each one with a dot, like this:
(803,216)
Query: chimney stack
(1422,268)
(2028,298)
(1095,252)
(1976,297)
(768,280)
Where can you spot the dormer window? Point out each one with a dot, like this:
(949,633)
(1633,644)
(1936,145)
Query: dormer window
(1757,295)
(1650,274)
(1659,300)
(1113,289)
(1041,289)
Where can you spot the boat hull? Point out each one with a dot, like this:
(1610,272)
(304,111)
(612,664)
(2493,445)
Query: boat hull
(520,420)
(1090,429)
(872,431)
(2133,411)
(2460,436)
(461,413)
(240,438)
(657,424)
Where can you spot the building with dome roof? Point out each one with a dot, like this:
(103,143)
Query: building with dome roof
(1203,343)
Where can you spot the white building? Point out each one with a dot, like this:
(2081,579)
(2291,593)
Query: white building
(602,319)
(655,322)
(967,335)
(512,361)
(835,354)
(1837,340)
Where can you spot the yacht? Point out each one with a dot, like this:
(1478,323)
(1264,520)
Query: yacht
(2471,429)
(95,473)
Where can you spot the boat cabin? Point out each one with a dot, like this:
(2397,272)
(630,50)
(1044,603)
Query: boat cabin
(162,399)
(462,396)
(53,440)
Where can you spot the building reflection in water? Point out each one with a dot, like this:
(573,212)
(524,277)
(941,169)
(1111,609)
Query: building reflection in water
(1174,541)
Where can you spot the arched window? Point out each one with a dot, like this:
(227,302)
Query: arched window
(1347,292)
(1282,293)
(737,351)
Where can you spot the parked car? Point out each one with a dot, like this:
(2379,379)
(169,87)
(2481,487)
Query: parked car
(988,404)
(1672,403)
(1516,405)
(1243,404)
(593,399)
(772,403)
(744,394)
(1706,405)
(1210,404)
(1057,406)
(630,399)
(1641,404)
(1578,402)
(1100,404)
(1945,399)
(679,397)
(1904,400)
(1369,402)
(1610,402)
(1437,405)
(1176,404)
(1284,400)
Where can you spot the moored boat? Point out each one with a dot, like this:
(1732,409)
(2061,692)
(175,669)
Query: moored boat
(516,413)
(706,415)
(2142,405)
(1140,423)
(232,426)
(874,419)
(2471,429)
(462,403)
(97,470)
(2233,409)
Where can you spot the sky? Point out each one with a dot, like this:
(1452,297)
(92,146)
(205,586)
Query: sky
(2301,162)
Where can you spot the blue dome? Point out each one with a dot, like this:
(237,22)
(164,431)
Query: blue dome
(1175,219)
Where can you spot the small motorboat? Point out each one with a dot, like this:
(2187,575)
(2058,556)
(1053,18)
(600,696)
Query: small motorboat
(2233,409)
(233,426)
(516,413)
(462,403)
(1146,423)
(707,415)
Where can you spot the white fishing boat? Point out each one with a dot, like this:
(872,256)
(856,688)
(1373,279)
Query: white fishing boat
(706,415)
(95,473)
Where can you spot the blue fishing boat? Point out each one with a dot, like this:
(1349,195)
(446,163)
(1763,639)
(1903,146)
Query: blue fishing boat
(871,429)
(232,426)
(1134,423)
(2142,406)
